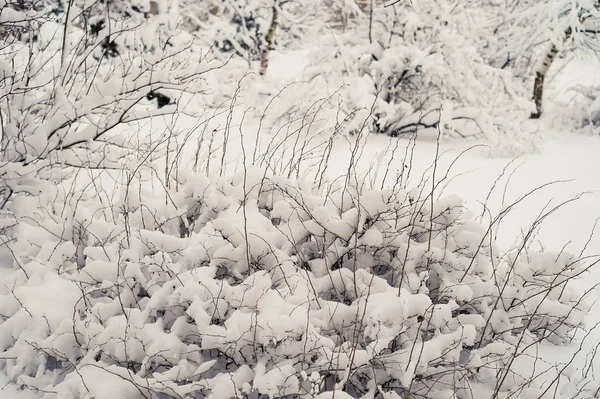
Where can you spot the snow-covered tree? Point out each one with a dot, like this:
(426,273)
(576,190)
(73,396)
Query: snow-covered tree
(406,61)
(250,28)
(533,33)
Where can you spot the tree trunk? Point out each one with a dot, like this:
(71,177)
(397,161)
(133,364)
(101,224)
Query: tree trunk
(153,8)
(264,59)
(540,76)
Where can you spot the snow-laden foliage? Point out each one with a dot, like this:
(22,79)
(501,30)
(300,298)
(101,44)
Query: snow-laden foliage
(525,30)
(259,287)
(426,55)
(393,71)
(72,76)
(239,27)
(588,102)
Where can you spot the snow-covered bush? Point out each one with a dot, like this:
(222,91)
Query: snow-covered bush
(428,54)
(257,286)
(588,116)
(392,72)
(71,80)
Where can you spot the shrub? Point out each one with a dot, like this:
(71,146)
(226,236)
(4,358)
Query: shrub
(257,286)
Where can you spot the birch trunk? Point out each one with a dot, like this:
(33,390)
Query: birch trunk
(540,76)
(264,59)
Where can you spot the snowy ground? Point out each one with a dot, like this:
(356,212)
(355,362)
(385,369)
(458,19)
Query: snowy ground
(9,391)
(574,160)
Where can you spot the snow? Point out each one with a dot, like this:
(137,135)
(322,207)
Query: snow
(10,391)
(569,158)
(9,15)
(565,166)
